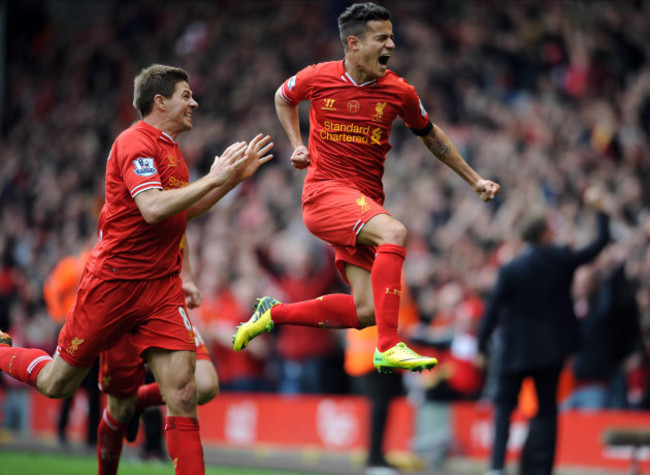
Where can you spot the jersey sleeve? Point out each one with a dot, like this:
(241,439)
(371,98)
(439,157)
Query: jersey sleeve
(138,166)
(297,88)
(413,113)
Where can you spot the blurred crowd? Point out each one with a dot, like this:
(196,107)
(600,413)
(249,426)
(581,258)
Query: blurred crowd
(544,97)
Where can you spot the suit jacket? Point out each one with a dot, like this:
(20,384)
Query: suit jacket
(532,303)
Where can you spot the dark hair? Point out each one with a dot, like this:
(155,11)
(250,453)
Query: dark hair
(353,21)
(534,227)
(156,79)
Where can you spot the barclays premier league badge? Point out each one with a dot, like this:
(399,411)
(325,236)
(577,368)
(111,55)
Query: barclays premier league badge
(144,166)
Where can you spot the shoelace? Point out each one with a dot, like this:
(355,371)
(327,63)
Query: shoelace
(405,350)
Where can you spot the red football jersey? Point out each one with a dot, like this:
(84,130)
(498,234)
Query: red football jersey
(141,158)
(350,123)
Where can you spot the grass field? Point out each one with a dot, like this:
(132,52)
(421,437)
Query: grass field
(34,463)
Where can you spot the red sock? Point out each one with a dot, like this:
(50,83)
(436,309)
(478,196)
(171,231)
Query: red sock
(386,290)
(328,311)
(184,445)
(110,435)
(23,364)
(148,395)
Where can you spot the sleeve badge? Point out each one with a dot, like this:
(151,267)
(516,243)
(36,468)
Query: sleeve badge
(144,166)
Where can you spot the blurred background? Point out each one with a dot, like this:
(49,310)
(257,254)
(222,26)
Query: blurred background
(545,97)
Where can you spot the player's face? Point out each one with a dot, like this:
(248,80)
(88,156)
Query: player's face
(180,107)
(375,48)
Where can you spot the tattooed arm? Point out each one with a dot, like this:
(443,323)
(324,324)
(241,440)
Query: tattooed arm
(444,150)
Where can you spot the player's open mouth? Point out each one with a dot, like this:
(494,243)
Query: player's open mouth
(383,59)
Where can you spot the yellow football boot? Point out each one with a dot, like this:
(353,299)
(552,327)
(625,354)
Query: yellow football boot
(401,356)
(259,323)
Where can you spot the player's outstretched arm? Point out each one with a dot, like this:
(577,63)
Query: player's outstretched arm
(437,142)
(255,154)
(157,205)
(198,197)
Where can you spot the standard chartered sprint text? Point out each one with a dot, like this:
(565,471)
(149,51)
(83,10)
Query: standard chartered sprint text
(341,132)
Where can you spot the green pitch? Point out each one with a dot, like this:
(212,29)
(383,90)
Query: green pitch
(34,463)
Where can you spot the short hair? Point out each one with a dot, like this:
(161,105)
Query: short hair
(534,227)
(353,21)
(156,79)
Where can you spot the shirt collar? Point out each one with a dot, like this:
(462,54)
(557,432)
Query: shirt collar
(345,76)
(164,136)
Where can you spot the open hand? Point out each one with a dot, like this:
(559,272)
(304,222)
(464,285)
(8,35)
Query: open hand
(256,155)
(224,166)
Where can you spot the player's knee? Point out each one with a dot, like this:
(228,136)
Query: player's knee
(206,391)
(395,233)
(182,399)
(121,410)
(57,379)
(207,385)
(365,314)
(207,381)
(55,389)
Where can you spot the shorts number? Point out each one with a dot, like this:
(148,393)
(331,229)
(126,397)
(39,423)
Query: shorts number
(197,335)
(186,319)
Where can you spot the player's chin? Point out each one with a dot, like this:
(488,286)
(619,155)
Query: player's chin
(381,70)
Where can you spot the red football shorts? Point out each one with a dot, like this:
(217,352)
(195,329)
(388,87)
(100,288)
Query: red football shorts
(336,214)
(122,370)
(151,312)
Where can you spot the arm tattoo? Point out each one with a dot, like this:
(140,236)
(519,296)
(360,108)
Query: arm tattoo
(439,148)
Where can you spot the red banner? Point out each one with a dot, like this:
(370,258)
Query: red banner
(341,423)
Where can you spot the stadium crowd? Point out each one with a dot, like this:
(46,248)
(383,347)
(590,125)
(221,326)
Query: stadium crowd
(547,98)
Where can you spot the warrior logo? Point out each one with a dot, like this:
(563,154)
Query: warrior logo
(329,105)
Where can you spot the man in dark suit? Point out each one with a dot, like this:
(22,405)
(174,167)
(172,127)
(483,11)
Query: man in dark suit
(532,304)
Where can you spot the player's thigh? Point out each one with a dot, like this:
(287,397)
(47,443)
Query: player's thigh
(174,371)
(337,214)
